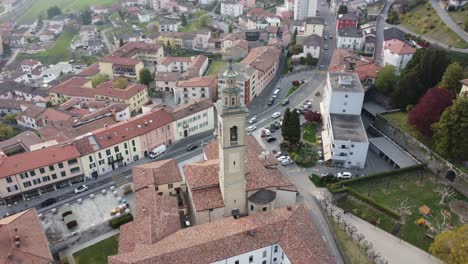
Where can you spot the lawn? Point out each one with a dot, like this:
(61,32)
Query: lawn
(41,6)
(98,253)
(352,251)
(424,20)
(215,67)
(405,186)
(400,119)
(459,16)
(192,26)
(293,89)
(309,133)
(305,156)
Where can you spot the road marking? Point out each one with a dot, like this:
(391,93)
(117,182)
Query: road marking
(307,205)
(324,239)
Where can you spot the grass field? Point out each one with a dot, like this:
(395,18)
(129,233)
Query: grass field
(309,133)
(41,6)
(98,253)
(459,16)
(351,249)
(405,186)
(293,89)
(400,119)
(424,20)
(215,67)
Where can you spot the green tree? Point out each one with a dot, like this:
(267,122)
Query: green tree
(311,61)
(6,131)
(86,16)
(203,20)
(49,104)
(452,76)
(285,125)
(10,118)
(120,83)
(40,20)
(53,11)
(145,76)
(343,9)
(98,79)
(230,28)
(393,18)
(294,128)
(302,60)
(407,92)
(295,49)
(451,246)
(386,80)
(294,38)
(184,20)
(450,132)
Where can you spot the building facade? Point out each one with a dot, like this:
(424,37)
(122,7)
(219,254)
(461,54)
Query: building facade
(304,9)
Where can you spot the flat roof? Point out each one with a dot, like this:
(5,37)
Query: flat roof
(355,85)
(348,127)
(392,151)
(373,108)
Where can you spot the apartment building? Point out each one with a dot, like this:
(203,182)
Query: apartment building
(304,9)
(314,26)
(191,66)
(196,88)
(397,53)
(47,169)
(350,38)
(231,8)
(346,21)
(163,175)
(193,118)
(166,81)
(246,81)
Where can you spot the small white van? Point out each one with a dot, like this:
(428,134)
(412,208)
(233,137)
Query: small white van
(157,152)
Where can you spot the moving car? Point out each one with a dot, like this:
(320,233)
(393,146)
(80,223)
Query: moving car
(253,120)
(48,202)
(276,93)
(287,161)
(276,115)
(251,128)
(325,38)
(325,47)
(271,101)
(285,102)
(331,36)
(82,188)
(270,139)
(344,175)
(191,147)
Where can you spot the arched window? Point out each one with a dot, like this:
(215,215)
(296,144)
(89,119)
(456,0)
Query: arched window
(234,135)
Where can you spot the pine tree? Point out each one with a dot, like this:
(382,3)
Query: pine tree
(294,128)
(285,125)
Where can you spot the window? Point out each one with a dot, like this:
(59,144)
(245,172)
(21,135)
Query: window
(264,254)
(9,180)
(27,184)
(32,173)
(101,162)
(54,176)
(72,161)
(51,168)
(252,207)
(60,165)
(133,142)
(264,209)
(234,135)
(346,96)
(42,170)
(116,148)
(108,153)
(250,259)
(75,170)
(274,259)
(24,175)
(125,145)
(236,262)
(264,262)
(99,155)
(90,158)
(275,249)
(170,185)
(64,174)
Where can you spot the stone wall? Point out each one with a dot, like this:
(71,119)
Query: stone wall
(421,152)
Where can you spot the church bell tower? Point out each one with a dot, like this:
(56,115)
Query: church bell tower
(231,138)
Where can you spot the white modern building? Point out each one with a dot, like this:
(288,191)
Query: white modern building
(193,118)
(231,8)
(344,137)
(350,38)
(397,53)
(195,88)
(304,9)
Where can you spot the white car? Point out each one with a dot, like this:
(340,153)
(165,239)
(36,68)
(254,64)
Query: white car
(280,158)
(251,128)
(267,132)
(287,161)
(253,120)
(81,189)
(344,175)
(276,115)
(279,154)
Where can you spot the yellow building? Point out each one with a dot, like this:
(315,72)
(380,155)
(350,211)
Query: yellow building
(121,66)
(173,38)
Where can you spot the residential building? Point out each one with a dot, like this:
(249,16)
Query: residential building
(36,117)
(47,169)
(231,8)
(248,3)
(19,143)
(166,81)
(348,20)
(144,16)
(264,60)
(464,89)
(246,81)
(196,88)
(164,176)
(191,66)
(397,53)
(173,39)
(88,32)
(236,51)
(100,9)
(350,38)
(304,9)
(23,239)
(193,118)
(135,95)
(168,25)
(22,92)
(312,44)
(394,33)
(457,3)
(28,65)
(344,138)
(8,106)
(119,66)
(314,26)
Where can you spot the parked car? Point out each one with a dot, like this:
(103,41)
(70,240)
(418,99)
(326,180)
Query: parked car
(80,189)
(157,151)
(191,147)
(331,36)
(296,82)
(325,47)
(253,120)
(285,102)
(287,162)
(270,139)
(263,134)
(325,38)
(271,101)
(279,154)
(251,128)
(48,202)
(280,158)
(276,114)
(344,175)
(327,175)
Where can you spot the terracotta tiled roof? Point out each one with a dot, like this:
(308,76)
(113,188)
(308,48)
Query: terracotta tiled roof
(108,89)
(168,60)
(25,139)
(202,174)
(205,81)
(86,144)
(10,104)
(120,60)
(347,16)
(207,198)
(36,159)
(292,228)
(198,61)
(369,70)
(341,57)
(33,244)
(191,108)
(90,71)
(257,11)
(399,47)
(74,87)
(157,217)
(167,76)
(156,173)
(262,58)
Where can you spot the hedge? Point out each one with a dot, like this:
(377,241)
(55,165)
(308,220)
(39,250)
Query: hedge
(321,182)
(338,190)
(117,222)
(377,205)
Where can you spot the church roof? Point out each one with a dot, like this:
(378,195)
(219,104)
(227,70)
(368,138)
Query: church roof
(263,196)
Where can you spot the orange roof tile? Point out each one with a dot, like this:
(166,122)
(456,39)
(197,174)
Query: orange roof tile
(399,47)
(156,173)
(205,81)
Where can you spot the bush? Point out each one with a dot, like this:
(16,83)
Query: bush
(321,182)
(128,189)
(375,204)
(117,222)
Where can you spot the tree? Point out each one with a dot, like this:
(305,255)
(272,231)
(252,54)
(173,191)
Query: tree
(451,247)
(40,20)
(450,132)
(6,131)
(429,109)
(10,118)
(203,20)
(311,61)
(313,117)
(53,11)
(285,126)
(120,83)
(295,49)
(294,38)
(302,60)
(230,28)
(445,192)
(452,76)
(294,131)
(145,77)
(98,79)
(393,18)
(86,16)
(407,91)
(386,80)
(184,20)
(343,9)
(49,104)
(121,42)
